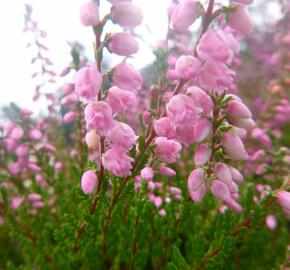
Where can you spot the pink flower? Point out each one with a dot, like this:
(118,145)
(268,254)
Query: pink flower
(98,115)
(234,205)
(122,136)
(220,190)
(167,150)
(121,100)
(233,146)
(201,99)
(223,173)
(195,179)
(127,77)
(240,20)
(212,46)
(181,110)
(237,110)
(147,173)
(163,128)
(89,182)
(35,135)
(117,162)
(22,150)
(88,81)
(197,195)
(184,14)
(89,14)
(185,134)
(16,202)
(202,155)
(69,117)
(16,133)
(187,67)
(202,130)
(126,15)
(166,171)
(68,89)
(123,44)
(215,77)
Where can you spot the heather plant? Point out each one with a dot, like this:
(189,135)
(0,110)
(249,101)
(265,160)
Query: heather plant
(172,170)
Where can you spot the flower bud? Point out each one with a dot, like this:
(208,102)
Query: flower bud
(166,171)
(89,14)
(220,190)
(126,15)
(184,14)
(234,205)
(236,175)
(237,110)
(195,179)
(202,155)
(197,195)
(201,99)
(92,139)
(147,173)
(123,44)
(223,173)
(283,199)
(34,197)
(89,182)
(202,130)
(127,77)
(88,81)
(240,20)
(234,147)
(69,117)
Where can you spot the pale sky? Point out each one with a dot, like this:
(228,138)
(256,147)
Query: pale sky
(60,18)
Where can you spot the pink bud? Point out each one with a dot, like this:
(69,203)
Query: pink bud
(16,133)
(88,81)
(234,147)
(117,162)
(234,205)
(223,173)
(271,222)
(240,20)
(16,202)
(22,150)
(202,155)
(89,14)
(122,136)
(67,89)
(58,166)
(283,198)
(198,194)
(166,171)
(92,139)
(220,190)
(236,175)
(175,191)
(147,173)
(34,197)
(181,110)
(89,182)
(26,112)
(126,15)
(237,110)
(187,67)
(127,77)
(184,14)
(121,100)
(202,130)
(201,99)
(123,44)
(98,116)
(69,117)
(162,213)
(248,123)
(195,179)
(158,201)
(167,150)
(163,128)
